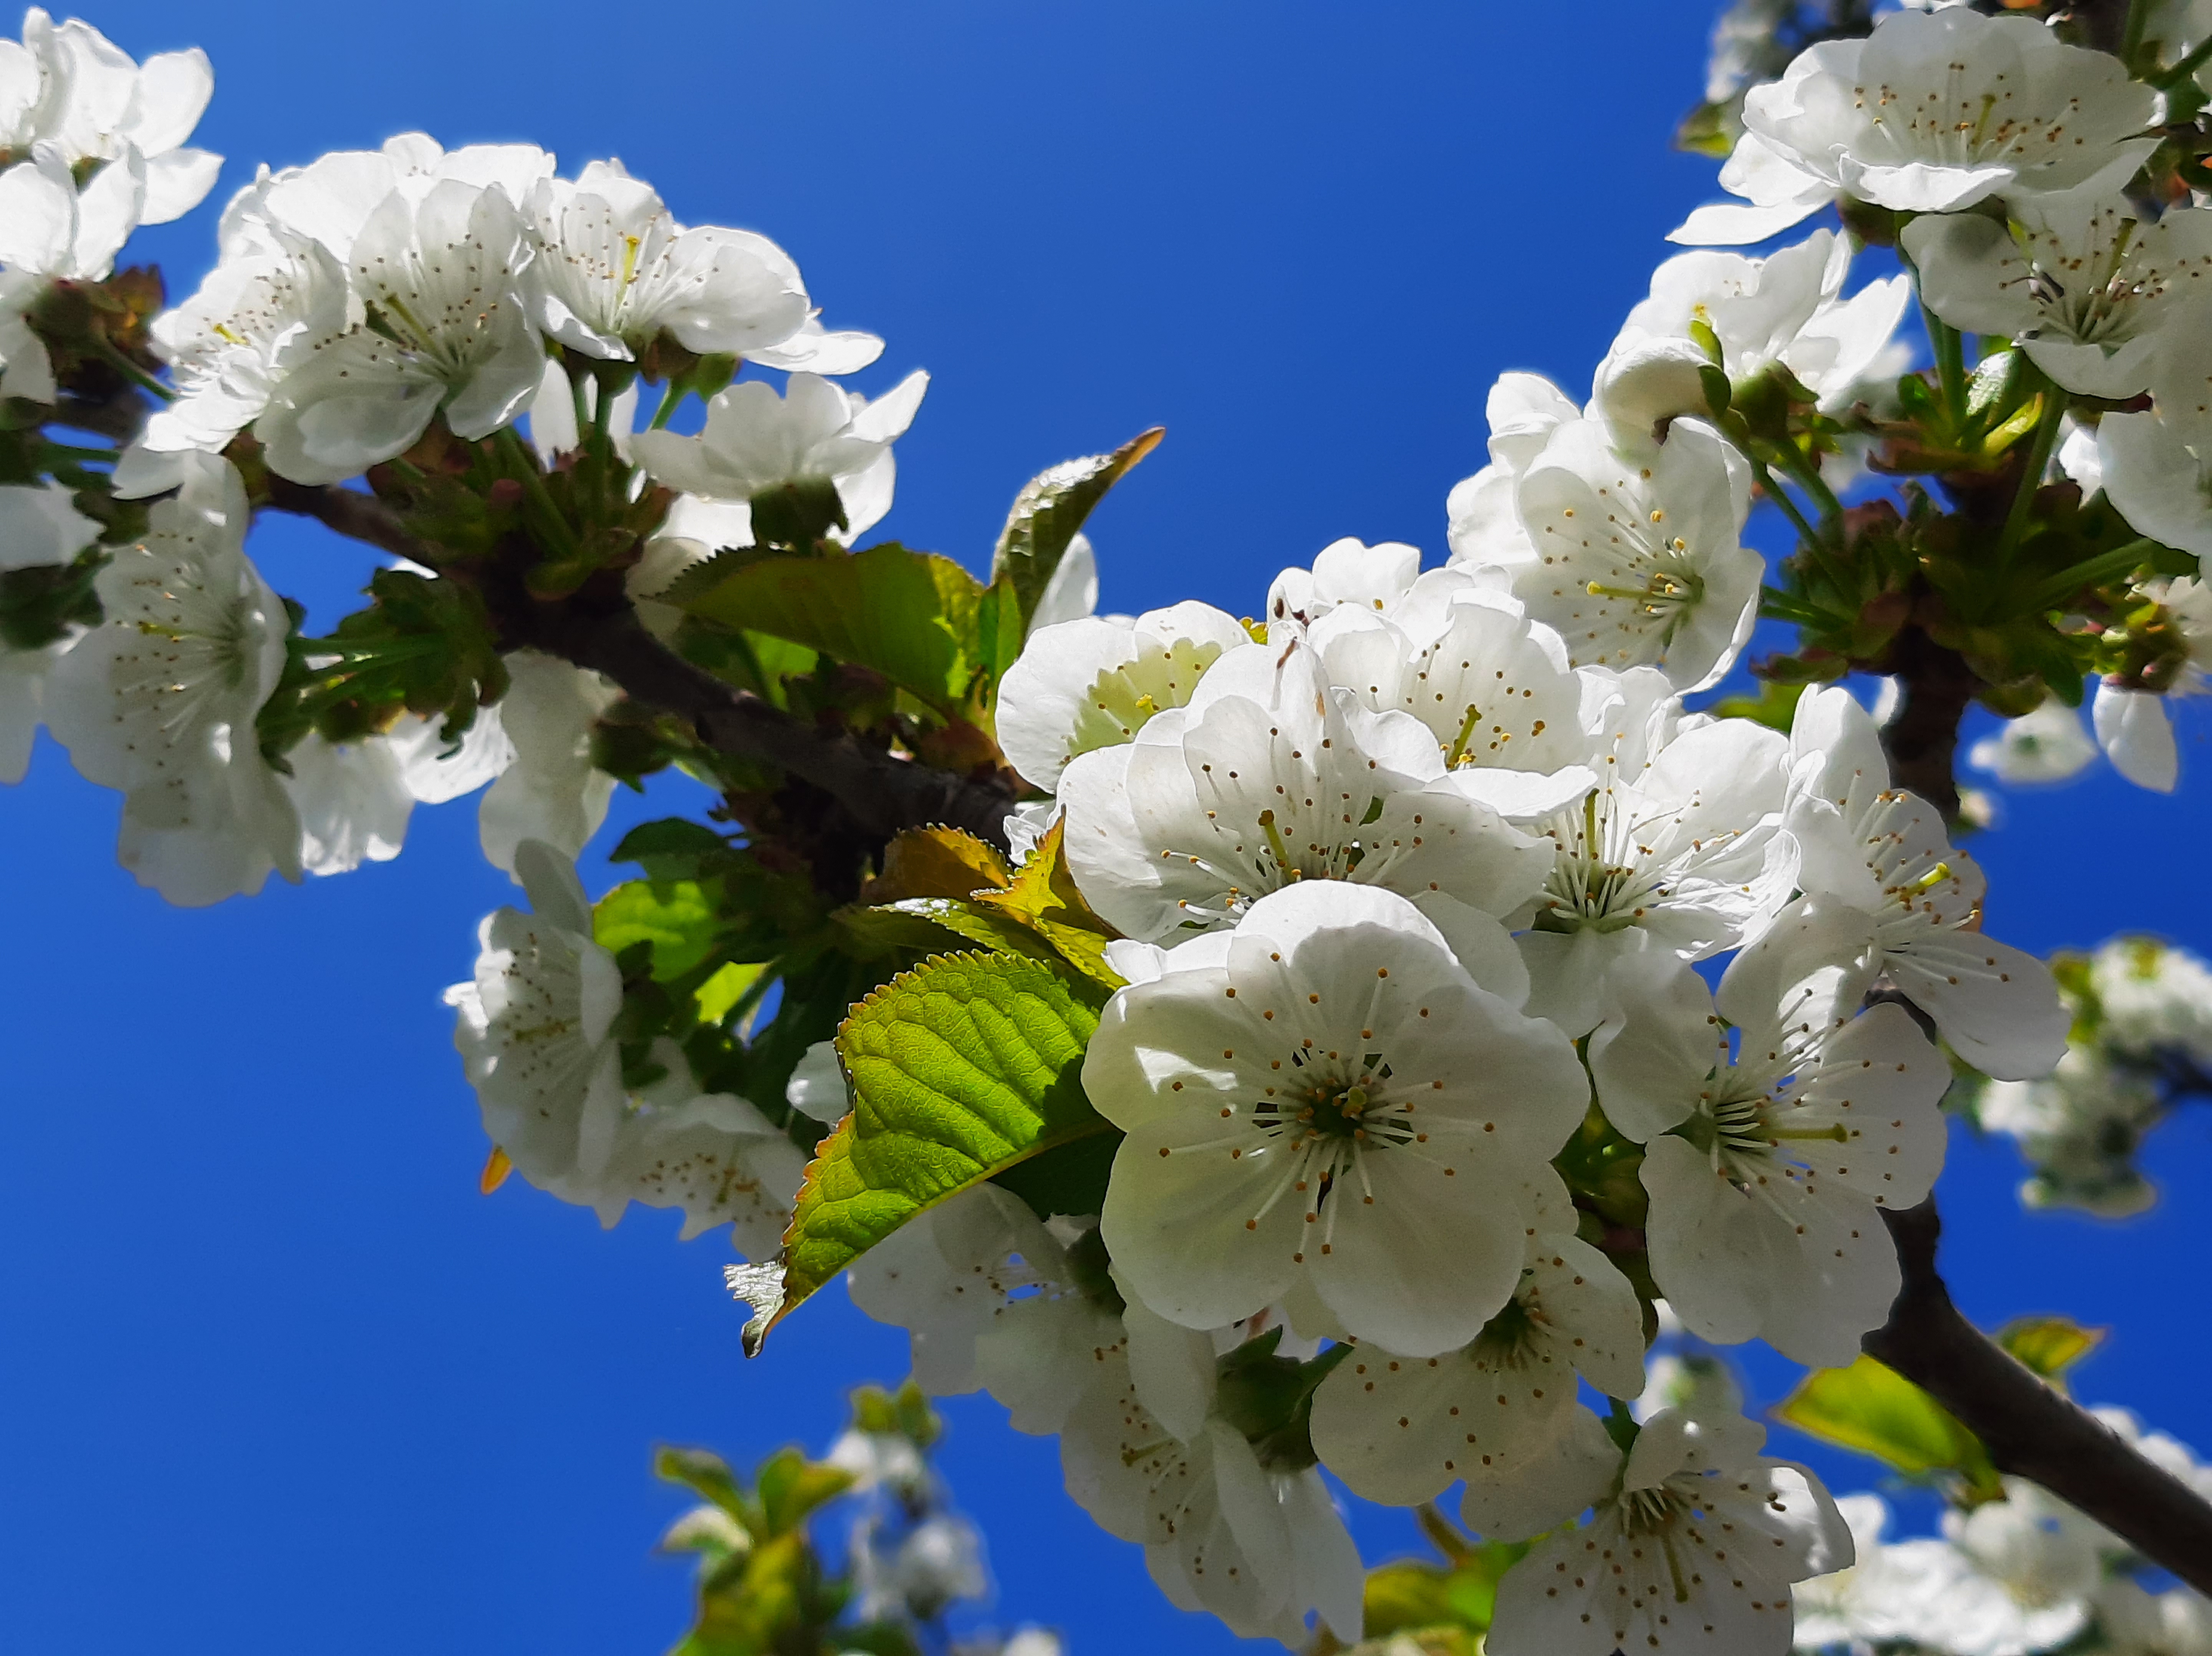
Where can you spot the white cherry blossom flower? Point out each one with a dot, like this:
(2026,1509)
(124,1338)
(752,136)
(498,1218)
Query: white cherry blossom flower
(1500,1414)
(1883,851)
(332,197)
(2079,1127)
(1637,555)
(1696,1548)
(49,226)
(444,327)
(435,771)
(1485,528)
(2152,996)
(532,1026)
(1257,1545)
(1268,777)
(713,1155)
(1326,1097)
(352,801)
(2091,293)
(2156,466)
(1678,850)
(1931,113)
(2136,1621)
(273,294)
(1831,1609)
(1345,572)
(754,441)
(614,270)
(1765,1173)
(40,525)
(551,791)
(990,1298)
(159,700)
(1492,687)
(2048,745)
(2132,726)
(1787,308)
(68,87)
(1091,683)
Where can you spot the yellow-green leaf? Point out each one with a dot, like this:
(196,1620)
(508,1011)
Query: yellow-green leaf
(676,916)
(937,862)
(962,1068)
(1043,896)
(2049,1345)
(1874,1410)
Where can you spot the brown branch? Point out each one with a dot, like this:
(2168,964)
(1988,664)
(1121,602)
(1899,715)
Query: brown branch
(2029,1430)
(1922,740)
(880,791)
(356,515)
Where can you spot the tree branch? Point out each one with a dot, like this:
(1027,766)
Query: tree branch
(356,515)
(2030,1429)
(880,791)
(1922,740)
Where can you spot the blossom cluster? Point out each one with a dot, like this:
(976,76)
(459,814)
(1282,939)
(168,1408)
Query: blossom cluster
(2141,1042)
(355,301)
(1468,1000)
(1381,877)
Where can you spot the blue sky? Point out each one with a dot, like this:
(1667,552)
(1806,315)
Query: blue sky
(272,1374)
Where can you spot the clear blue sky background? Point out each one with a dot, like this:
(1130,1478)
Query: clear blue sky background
(272,1375)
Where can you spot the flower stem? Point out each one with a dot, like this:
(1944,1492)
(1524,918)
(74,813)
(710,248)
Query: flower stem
(1774,492)
(669,400)
(2092,571)
(106,351)
(1807,475)
(2166,79)
(2039,461)
(523,466)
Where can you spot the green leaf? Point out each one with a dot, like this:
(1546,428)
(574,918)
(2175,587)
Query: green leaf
(1876,1410)
(961,1068)
(1051,509)
(726,989)
(677,918)
(2049,1345)
(709,1475)
(791,1487)
(674,847)
(909,616)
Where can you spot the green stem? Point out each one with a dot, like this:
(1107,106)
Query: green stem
(524,465)
(2038,462)
(2131,44)
(669,400)
(2091,572)
(576,401)
(1808,477)
(1947,343)
(129,370)
(1774,492)
(2166,79)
